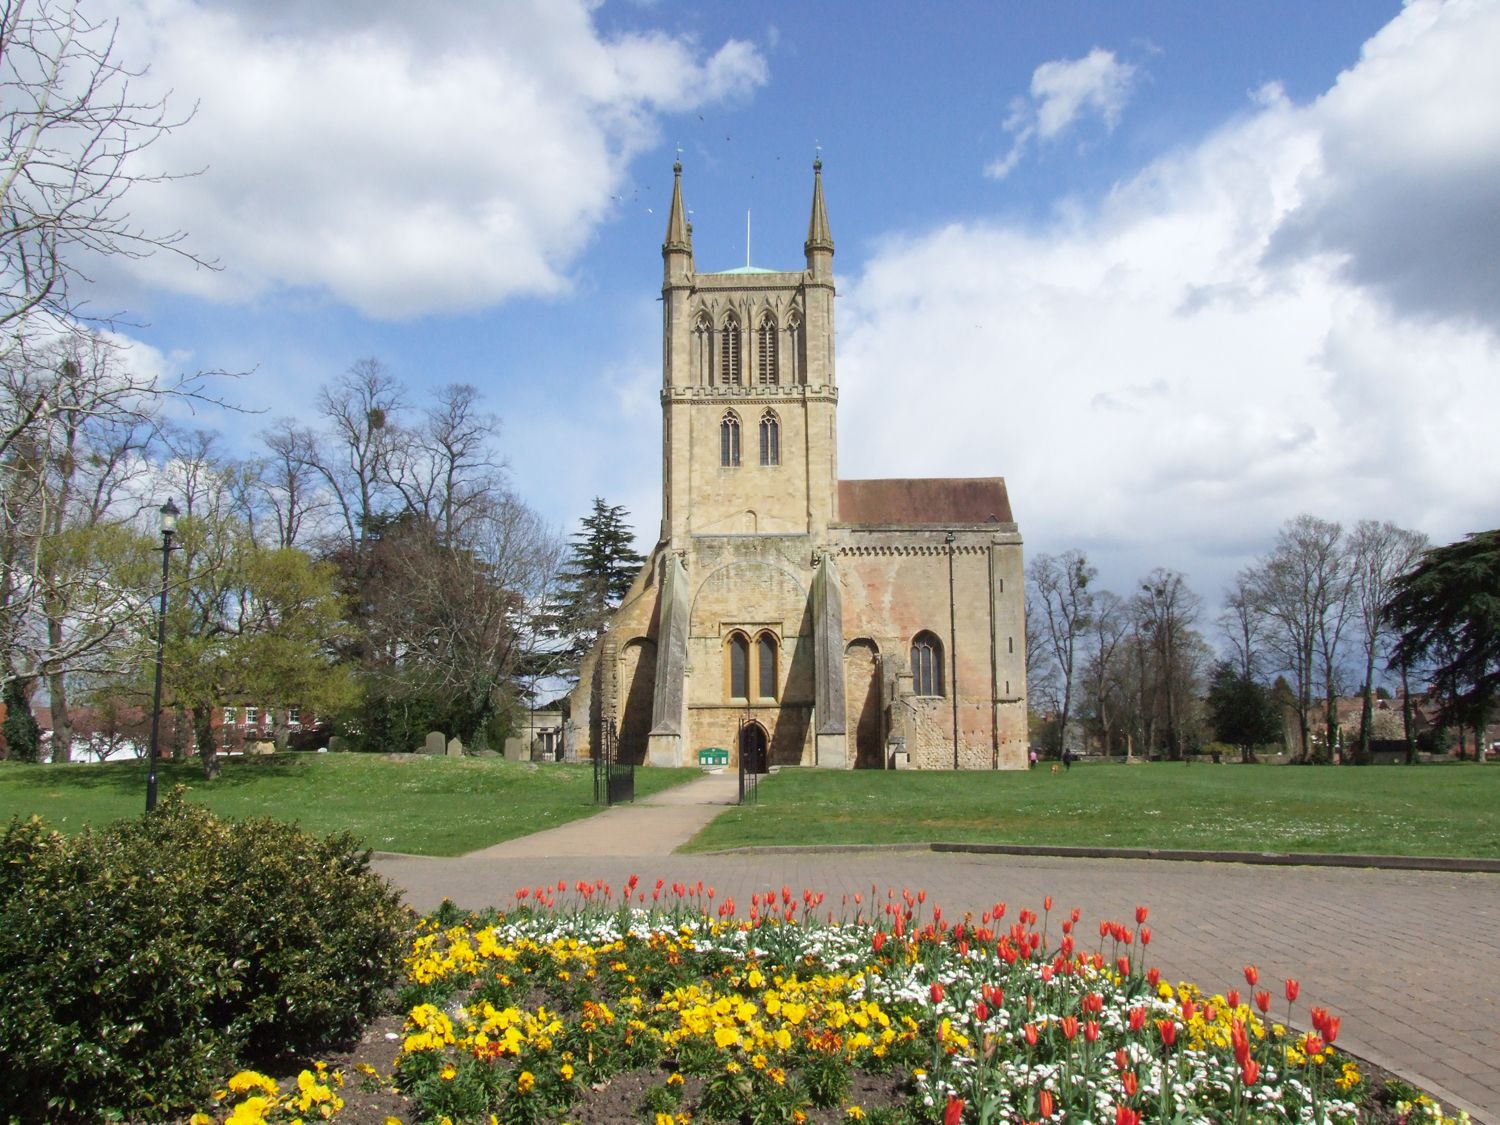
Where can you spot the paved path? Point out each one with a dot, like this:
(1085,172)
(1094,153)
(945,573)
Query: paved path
(1411,959)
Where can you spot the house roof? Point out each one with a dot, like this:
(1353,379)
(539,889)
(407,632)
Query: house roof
(929,500)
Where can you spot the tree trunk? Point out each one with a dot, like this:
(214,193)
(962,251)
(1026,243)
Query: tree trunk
(208,748)
(1366,712)
(62,721)
(281,729)
(1406,719)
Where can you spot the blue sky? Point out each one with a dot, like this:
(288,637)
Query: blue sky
(1178,271)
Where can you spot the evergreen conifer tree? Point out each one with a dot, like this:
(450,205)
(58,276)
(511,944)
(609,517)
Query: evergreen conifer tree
(600,568)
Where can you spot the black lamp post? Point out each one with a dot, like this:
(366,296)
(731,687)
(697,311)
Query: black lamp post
(169,515)
(953,645)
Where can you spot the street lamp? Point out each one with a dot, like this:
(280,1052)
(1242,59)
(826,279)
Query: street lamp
(169,515)
(953,645)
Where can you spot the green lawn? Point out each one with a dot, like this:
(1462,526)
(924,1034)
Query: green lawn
(399,803)
(1439,810)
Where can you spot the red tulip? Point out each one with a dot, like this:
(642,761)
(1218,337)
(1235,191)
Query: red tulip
(1124,1115)
(1250,1071)
(1130,1083)
(1091,1031)
(1140,914)
(936,992)
(1031,1035)
(1292,988)
(1145,935)
(1137,1018)
(1153,976)
(1044,1103)
(955,1111)
(1167,1029)
(1047,903)
(1252,975)
(994,994)
(1189,1009)
(981,1011)
(1069,1026)
(1233,997)
(1093,1002)
(1331,1029)
(1263,1000)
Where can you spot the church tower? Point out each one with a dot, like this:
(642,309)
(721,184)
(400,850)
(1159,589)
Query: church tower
(749,393)
(787,618)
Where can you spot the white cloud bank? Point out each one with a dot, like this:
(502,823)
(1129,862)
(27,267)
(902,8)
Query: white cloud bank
(1062,92)
(1296,314)
(404,158)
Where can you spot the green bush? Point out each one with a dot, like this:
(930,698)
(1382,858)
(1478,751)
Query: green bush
(140,964)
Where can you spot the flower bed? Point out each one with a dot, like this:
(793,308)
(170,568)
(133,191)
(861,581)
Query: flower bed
(880,1010)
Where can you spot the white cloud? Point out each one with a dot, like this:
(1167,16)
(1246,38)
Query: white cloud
(1062,92)
(1158,388)
(405,159)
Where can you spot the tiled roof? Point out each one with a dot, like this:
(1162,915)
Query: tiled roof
(931,500)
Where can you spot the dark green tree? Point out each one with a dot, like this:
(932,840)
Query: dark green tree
(23,738)
(1446,611)
(1240,710)
(602,564)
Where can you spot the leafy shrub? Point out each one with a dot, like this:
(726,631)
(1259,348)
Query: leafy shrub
(140,963)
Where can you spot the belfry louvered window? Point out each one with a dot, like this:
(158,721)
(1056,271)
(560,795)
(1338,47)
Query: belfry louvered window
(729,353)
(767,371)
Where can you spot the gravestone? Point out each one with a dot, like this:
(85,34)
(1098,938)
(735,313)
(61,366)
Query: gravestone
(337,745)
(455,747)
(435,744)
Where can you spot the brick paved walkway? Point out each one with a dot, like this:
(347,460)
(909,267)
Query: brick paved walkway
(1411,959)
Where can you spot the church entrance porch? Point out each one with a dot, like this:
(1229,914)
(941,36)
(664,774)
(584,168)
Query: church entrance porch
(754,745)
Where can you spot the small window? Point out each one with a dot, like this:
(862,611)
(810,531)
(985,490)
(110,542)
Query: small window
(770,439)
(293,717)
(229,716)
(252,716)
(765,661)
(739,667)
(927,664)
(729,440)
(767,370)
(729,353)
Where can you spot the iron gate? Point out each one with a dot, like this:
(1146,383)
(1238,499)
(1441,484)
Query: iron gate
(749,778)
(614,781)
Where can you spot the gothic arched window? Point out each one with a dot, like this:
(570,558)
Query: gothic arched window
(767,370)
(926,664)
(703,350)
(729,353)
(729,440)
(770,439)
(738,653)
(765,662)
(795,372)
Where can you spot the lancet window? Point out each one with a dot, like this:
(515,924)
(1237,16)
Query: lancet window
(926,664)
(703,350)
(770,438)
(729,440)
(794,362)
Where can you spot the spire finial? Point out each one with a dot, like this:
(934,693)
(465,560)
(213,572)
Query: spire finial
(679,234)
(677,164)
(817,156)
(819,237)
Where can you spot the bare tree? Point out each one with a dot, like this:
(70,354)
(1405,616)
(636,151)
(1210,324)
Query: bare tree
(1299,591)
(1102,680)
(1381,552)
(71,131)
(361,411)
(1165,609)
(445,469)
(1060,584)
(288,481)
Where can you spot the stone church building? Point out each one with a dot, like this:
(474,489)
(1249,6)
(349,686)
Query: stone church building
(785,615)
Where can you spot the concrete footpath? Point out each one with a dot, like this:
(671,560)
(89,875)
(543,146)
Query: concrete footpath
(1410,959)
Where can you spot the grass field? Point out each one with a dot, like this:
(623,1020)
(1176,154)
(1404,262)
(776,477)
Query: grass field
(1439,810)
(399,803)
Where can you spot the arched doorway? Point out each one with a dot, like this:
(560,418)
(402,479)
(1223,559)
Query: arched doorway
(754,747)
